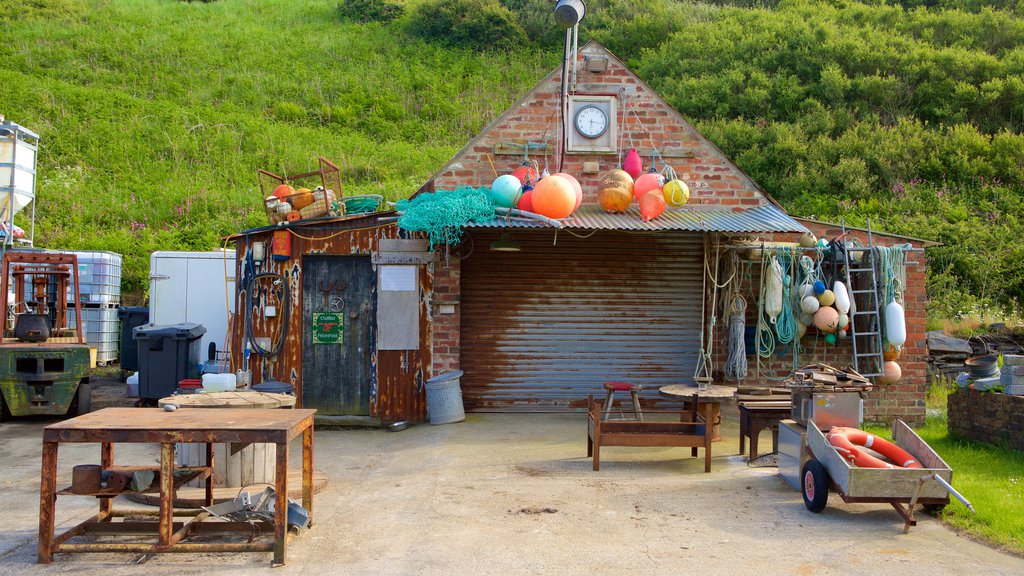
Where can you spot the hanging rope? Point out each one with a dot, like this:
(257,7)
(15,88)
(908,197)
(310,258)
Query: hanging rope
(785,325)
(736,363)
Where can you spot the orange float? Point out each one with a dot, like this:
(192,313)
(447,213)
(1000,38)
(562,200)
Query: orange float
(846,440)
(652,205)
(283,191)
(647,182)
(554,197)
(575,186)
(303,197)
(615,192)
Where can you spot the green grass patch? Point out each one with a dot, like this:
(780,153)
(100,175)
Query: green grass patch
(990,477)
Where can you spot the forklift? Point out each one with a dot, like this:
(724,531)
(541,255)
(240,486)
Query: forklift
(44,362)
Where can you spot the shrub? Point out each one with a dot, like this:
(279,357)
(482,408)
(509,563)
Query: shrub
(477,24)
(370,10)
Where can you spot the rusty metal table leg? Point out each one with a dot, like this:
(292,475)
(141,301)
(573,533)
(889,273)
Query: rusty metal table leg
(209,479)
(307,472)
(47,502)
(166,494)
(281,504)
(106,461)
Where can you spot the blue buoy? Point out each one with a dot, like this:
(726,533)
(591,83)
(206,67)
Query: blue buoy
(819,288)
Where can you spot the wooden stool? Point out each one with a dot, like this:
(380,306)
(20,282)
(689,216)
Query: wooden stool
(613,387)
(758,416)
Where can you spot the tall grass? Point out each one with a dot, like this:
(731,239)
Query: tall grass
(155,115)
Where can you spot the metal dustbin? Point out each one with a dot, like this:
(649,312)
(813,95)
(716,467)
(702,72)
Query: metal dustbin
(168,354)
(444,398)
(131,318)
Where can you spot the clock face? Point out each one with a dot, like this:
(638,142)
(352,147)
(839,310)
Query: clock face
(591,121)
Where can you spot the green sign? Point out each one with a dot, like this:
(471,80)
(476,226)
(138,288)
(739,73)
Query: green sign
(328,328)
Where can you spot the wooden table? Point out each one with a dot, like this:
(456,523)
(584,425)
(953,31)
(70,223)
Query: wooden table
(237,465)
(709,402)
(156,426)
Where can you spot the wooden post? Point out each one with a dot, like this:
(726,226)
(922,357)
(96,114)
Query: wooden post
(209,479)
(106,461)
(166,493)
(281,505)
(47,500)
(307,471)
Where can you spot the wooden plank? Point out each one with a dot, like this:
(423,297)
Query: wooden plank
(246,470)
(220,464)
(259,463)
(154,425)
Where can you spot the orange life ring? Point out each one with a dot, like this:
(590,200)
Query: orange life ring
(844,440)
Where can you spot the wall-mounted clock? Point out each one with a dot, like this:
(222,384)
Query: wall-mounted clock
(593,124)
(591,121)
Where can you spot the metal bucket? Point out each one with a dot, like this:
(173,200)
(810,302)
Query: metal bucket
(985,366)
(444,398)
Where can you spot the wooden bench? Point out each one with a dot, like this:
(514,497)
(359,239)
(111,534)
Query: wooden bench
(690,431)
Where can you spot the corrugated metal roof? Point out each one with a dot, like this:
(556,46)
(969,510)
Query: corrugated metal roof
(766,218)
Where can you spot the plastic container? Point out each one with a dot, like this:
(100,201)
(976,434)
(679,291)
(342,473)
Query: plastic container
(167,355)
(132,386)
(99,277)
(131,317)
(100,325)
(274,387)
(218,382)
(444,398)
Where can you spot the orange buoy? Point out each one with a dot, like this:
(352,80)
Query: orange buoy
(575,186)
(303,197)
(826,319)
(294,215)
(652,205)
(846,440)
(891,373)
(283,191)
(646,183)
(554,197)
(892,353)
(615,192)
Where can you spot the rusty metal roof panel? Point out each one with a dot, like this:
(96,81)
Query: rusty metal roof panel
(766,218)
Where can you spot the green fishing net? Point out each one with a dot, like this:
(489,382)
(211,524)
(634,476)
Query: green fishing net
(442,214)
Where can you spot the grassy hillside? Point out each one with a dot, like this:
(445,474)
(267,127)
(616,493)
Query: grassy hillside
(155,114)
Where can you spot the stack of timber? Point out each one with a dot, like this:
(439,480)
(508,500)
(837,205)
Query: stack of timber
(822,377)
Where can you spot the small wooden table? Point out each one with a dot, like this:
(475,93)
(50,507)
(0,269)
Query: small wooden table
(709,402)
(156,426)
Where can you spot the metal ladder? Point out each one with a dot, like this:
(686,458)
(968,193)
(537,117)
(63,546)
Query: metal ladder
(865,321)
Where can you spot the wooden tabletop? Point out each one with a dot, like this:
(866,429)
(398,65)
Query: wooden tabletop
(237,399)
(714,393)
(158,426)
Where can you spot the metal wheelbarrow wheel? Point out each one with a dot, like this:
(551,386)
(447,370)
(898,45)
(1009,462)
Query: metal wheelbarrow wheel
(814,485)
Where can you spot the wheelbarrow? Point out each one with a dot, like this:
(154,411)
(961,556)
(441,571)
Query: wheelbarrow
(903,488)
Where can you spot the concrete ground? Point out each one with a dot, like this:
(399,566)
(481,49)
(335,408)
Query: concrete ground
(515,494)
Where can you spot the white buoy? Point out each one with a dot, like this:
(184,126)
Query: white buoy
(810,305)
(842,297)
(895,324)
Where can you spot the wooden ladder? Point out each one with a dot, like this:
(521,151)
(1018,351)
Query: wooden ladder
(865,321)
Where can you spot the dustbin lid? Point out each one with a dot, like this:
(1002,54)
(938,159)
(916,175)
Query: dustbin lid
(185,330)
(447,376)
(273,386)
(126,311)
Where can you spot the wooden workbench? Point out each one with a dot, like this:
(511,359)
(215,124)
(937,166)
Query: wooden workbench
(153,425)
(709,402)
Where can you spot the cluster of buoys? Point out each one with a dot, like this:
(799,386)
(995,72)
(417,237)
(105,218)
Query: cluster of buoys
(555,196)
(652,191)
(289,204)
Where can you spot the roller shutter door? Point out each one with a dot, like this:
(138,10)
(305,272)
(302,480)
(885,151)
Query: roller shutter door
(543,327)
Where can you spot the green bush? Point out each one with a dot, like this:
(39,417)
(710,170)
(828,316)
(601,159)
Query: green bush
(476,24)
(370,10)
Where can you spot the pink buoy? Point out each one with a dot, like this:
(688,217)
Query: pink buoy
(633,164)
(646,183)
(576,186)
